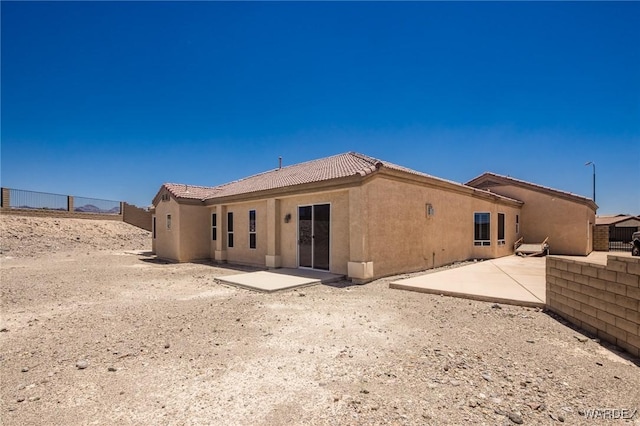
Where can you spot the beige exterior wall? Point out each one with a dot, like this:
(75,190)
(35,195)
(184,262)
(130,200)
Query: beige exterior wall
(400,236)
(338,233)
(186,240)
(193,225)
(568,224)
(167,240)
(277,240)
(240,252)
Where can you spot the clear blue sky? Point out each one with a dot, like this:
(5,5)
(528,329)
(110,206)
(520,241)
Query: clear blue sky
(111,99)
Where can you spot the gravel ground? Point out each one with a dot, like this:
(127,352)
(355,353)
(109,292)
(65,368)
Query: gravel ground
(103,337)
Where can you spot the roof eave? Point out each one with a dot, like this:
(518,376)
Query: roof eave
(452,186)
(533,187)
(324,185)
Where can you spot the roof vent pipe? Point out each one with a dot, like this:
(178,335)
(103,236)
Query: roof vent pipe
(279,163)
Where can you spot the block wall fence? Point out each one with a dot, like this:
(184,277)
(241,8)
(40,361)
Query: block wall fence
(601,238)
(128,213)
(136,216)
(604,300)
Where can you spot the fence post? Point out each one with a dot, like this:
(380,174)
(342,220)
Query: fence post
(69,203)
(5,200)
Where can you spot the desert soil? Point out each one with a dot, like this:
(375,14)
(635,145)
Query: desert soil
(92,334)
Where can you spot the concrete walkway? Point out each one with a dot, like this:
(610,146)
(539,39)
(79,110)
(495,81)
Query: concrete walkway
(511,280)
(279,279)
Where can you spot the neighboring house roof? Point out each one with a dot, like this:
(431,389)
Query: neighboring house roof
(614,219)
(324,169)
(488,180)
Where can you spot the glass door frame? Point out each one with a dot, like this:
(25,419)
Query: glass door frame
(312,235)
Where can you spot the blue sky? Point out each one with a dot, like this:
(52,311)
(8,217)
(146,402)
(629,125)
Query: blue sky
(111,99)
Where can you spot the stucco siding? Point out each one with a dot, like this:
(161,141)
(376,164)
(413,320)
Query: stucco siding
(193,226)
(403,237)
(567,223)
(241,252)
(167,240)
(339,229)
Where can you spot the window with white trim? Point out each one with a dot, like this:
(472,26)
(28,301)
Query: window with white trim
(482,229)
(252,229)
(214,226)
(501,229)
(230,229)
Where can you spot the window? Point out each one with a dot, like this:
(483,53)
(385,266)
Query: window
(214,226)
(168,221)
(230,229)
(153,227)
(482,229)
(252,229)
(517,224)
(500,229)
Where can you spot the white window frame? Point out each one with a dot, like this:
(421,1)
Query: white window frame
(253,232)
(481,243)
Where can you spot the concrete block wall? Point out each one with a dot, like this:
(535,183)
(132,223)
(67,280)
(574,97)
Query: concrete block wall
(601,299)
(60,213)
(136,216)
(5,197)
(128,213)
(601,238)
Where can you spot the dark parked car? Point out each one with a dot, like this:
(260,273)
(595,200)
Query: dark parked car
(635,244)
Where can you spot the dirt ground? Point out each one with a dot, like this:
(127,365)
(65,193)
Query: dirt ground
(91,334)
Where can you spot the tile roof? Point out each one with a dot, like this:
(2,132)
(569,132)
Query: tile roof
(194,192)
(323,169)
(613,219)
(488,175)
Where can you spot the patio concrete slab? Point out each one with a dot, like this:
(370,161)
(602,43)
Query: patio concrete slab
(510,280)
(279,279)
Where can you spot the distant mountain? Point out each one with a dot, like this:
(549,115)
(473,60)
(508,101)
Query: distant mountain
(90,208)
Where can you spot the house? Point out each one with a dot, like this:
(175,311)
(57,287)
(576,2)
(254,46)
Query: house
(567,219)
(620,229)
(355,215)
(619,221)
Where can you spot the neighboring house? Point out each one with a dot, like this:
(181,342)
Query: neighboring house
(621,226)
(354,215)
(567,219)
